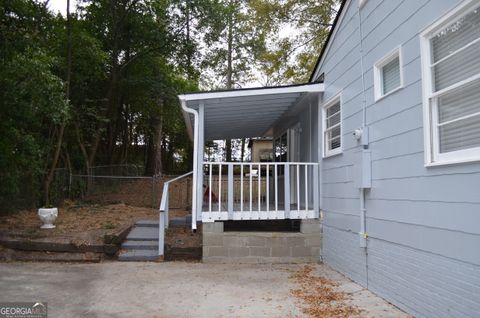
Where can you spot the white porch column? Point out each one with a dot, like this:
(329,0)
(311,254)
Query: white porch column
(200,154)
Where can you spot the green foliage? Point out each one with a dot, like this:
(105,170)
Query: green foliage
(231,49)
(122,80)
(33,103)
(291,58)
(101,85)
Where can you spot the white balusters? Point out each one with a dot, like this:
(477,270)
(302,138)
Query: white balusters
(250,186)
(295,201)
(219,187)
(241,188)
(267,192)
(259,175)
(276,191)
(306,190)
(210,188)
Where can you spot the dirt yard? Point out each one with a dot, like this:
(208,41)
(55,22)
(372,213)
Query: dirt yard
(77,221)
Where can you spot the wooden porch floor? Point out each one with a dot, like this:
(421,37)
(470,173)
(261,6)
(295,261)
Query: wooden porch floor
(256,213)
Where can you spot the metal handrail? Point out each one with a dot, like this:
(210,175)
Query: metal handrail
(166,185)
(163,212)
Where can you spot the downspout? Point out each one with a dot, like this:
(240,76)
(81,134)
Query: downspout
(363,136)
(195,161)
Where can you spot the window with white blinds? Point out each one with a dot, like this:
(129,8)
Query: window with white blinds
(391,76)
(332,127)
(388,74)
(451,61)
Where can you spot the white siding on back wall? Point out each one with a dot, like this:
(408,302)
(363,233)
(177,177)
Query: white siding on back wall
(423,249)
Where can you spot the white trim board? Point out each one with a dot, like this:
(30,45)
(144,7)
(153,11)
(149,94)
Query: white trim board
(333,100)
(310,88)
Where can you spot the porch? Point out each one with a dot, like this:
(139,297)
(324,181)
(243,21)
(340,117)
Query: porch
(285,189)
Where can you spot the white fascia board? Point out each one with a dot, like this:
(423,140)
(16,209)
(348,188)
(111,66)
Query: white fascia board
(309,88)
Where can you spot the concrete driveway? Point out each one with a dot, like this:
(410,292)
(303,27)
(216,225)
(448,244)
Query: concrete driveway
(171,289)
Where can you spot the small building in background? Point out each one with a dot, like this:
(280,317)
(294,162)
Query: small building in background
(261,149)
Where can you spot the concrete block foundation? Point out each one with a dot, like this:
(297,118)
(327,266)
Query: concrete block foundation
(262,247)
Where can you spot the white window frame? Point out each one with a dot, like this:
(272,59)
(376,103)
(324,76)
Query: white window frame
(378,74)
(329,153)
(433,157)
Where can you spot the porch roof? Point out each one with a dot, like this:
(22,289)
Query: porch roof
(243,113)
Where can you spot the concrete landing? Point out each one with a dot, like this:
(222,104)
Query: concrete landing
(143,233)
(179,289)
(141,243)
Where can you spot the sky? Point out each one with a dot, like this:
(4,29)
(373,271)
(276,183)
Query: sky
(61,5)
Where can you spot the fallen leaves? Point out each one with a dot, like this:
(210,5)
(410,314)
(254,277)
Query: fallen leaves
(320,296)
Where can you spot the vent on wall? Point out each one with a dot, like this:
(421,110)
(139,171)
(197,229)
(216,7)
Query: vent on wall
(262,226)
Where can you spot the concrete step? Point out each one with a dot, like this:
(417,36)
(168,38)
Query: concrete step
(139,255)
(185,221)
(140,245)
(143,233)
(183,254)
(147,223)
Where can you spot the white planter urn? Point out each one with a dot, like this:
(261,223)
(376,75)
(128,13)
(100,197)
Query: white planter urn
(48,216)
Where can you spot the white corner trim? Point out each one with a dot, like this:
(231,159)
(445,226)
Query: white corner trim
(361,3)
(377,73)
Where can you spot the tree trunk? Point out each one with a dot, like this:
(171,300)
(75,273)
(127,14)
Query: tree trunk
(49,177)
(242,156)
(189,48)
(154,153)
(228,150)
(229,76)
(83,150)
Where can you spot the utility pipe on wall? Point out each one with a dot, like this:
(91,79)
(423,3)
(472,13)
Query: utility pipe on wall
(364,140)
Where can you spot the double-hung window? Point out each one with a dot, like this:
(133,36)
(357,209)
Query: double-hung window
(388,77)
(332,127)
(451,79)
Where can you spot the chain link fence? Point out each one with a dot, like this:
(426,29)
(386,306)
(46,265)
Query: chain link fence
(125,184)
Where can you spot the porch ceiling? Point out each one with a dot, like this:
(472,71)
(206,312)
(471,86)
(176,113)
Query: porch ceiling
(244,113)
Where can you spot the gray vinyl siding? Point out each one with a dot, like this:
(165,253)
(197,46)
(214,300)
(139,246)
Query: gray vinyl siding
(423,251)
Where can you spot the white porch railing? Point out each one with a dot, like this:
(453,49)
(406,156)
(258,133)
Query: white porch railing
(260,191)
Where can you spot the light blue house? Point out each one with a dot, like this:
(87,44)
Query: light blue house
(380,152)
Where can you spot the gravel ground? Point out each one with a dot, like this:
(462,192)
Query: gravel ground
(171,289)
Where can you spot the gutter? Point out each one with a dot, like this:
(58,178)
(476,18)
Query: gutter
(186,118)
(193,135)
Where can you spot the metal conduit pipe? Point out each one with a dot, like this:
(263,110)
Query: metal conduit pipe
(364,136)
